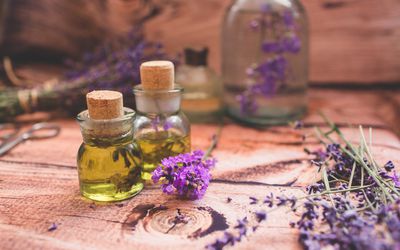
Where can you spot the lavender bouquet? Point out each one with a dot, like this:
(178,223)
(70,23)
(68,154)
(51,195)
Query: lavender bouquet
(111,66)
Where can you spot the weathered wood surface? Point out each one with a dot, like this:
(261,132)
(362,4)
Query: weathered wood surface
(351,40)
(39,185)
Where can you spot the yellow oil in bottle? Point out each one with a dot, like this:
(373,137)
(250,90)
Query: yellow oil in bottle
(110,171)
(156,146)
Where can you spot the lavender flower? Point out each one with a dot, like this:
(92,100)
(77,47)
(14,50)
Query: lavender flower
(247,102)
(187,175)
(52,227)
(115,65)
(269,200)
(288,19)
(395,179)
(155,122)
(298,125)
(389,166)
(271,74)
(261,216)
(253,200)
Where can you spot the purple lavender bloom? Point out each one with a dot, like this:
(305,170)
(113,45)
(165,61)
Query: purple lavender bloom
(52,227)
(253,200)
(115,65)
(167,125)
(288,18)
(155,122)
(241,226)
(187,175)
(271,74)
(298,125)
(261,216)
(269,200)
(247,103)
(271,47)
(395,179)
(389,166)
(291,44)
(254,25)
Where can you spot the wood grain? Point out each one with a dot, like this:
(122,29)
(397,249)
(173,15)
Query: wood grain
(351,40)
(354,41)
(39,185)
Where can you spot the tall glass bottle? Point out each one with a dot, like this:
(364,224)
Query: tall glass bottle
(161,129)
(265,61)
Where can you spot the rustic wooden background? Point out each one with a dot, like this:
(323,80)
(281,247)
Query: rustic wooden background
(39,184)
(352,41)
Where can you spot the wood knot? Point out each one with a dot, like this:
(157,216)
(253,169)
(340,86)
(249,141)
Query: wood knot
(189,221)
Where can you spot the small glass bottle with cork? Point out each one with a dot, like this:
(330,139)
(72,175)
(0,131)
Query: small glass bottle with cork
(202,100)
(160,128)
(109,162)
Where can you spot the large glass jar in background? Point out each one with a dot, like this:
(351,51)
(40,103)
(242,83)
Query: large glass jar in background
(202,101)
(265,61)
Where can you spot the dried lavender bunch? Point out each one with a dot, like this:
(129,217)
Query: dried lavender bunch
(116,65)
(356,205)
(272,73)
(112,66)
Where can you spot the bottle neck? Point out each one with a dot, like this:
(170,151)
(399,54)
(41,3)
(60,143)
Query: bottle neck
(159,102)
(112,131)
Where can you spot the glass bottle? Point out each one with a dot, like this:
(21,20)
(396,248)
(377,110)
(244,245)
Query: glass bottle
(202,97)
(265,61)
(161,129)
(109,161)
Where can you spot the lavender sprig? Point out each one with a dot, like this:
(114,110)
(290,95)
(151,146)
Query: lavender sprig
(272,73)
(187,175)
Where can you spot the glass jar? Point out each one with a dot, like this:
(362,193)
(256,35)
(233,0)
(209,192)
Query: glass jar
(203,88)
(161,129)
(265,61)
(109,162)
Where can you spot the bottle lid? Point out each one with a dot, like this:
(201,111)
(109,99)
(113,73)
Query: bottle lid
(157,75)
(104,104)
(196,57)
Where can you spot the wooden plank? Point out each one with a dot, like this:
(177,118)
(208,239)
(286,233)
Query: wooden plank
(351,41)
(39,185)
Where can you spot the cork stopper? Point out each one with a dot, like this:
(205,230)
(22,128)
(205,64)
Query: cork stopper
(157,75)
(104,104)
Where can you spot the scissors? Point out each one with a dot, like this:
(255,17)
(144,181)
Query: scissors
(38,131)
(8,130)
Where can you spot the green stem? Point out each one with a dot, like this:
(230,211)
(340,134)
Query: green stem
(214,141)
(359,159)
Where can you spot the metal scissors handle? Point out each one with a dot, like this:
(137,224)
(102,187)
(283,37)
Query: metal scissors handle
(8,130)
(37,131)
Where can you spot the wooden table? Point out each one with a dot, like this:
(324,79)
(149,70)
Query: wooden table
(39,183)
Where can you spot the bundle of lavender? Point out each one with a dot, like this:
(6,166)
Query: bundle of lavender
(111,66)
(355,205)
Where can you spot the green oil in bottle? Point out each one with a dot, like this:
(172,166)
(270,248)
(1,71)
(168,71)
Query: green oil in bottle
(156,146)
(110,171)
